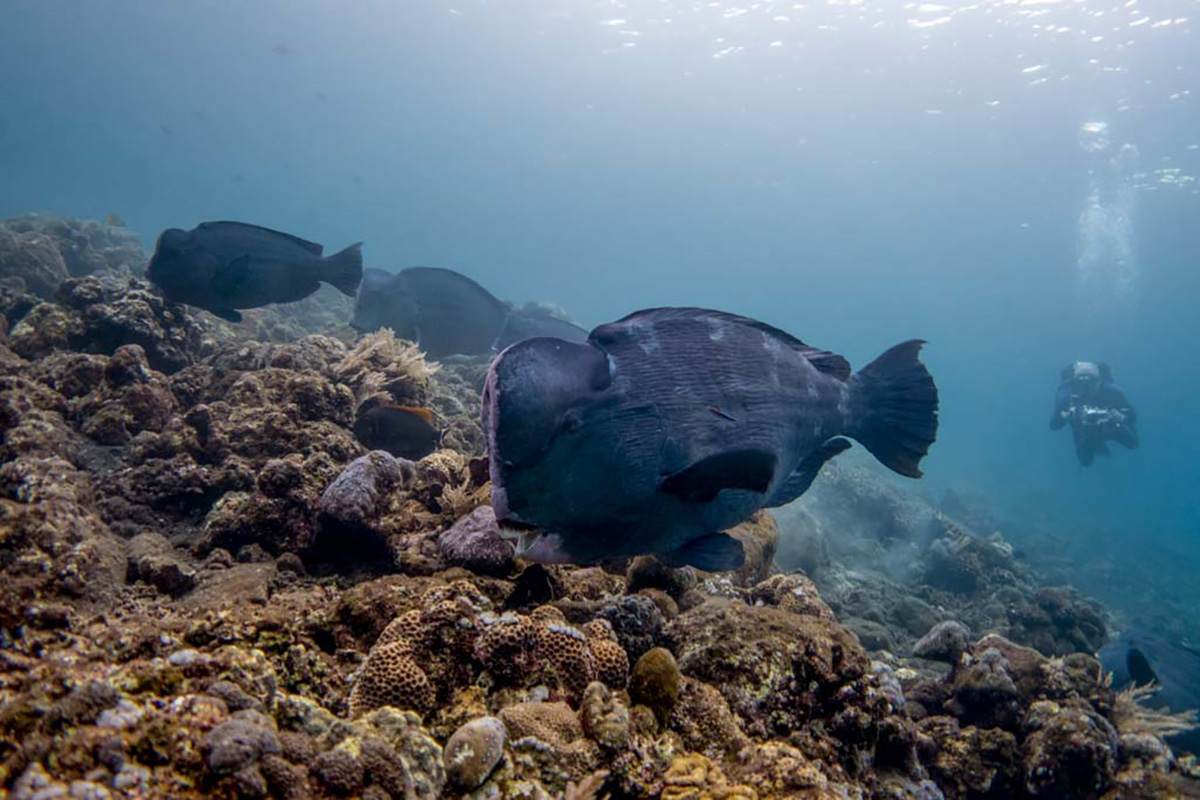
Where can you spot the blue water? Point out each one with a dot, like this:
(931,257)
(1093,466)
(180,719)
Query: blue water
(857,173)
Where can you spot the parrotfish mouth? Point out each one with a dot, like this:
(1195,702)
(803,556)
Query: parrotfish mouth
(533,544)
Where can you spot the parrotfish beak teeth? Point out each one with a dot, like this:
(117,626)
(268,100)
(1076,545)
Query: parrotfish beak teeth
(547,548)
(520,534)
(534,544)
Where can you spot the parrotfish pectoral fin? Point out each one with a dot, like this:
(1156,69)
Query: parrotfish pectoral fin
(740,469)
(227,314)
(228,278)
(717,552)
(804,474)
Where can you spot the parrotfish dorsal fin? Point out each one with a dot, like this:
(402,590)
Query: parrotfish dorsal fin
(311,247)
(826,362)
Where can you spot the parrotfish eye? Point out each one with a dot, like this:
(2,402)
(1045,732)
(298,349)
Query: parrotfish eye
(572,423)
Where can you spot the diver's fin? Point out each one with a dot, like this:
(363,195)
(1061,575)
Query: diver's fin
(804,474)
(900,403)
(716,552)
(226,314)
(344,270)
(740,469)
(217,225)
(228,278)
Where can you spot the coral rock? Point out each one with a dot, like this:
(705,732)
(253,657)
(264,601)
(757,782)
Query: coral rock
(945,641)
(694,777)
(759,536)
(647,572)
(703,719)
(604,718)
(777,670)
(339,772)
(354,497)
(553,723)
(1070,750)
(33,258)
(239,743)
(794,593)
(637,623)
(474,543)
(971,762)
(984,691)
(473,751)
(655,682)
(153,561)
(780,769)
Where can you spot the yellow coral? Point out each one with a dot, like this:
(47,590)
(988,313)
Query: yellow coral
(380,362)
(588,788)
(1132,717)
(460,499)
(695,777)
(553,723)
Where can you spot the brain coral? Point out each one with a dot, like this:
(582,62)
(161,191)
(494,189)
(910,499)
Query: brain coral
(391,677)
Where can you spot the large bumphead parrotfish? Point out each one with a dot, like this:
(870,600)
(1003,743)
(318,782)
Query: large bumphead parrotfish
(672,425)
(225,266)
(446,313)
(1140,657)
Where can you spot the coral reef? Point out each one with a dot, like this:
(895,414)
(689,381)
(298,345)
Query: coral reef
(891,566)
(212,589)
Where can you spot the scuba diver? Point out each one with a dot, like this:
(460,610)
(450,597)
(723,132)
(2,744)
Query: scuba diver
(1096,408)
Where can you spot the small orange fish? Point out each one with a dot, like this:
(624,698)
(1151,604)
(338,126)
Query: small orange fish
(403,431)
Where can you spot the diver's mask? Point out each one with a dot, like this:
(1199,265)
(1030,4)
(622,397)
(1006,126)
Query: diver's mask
(1085,375)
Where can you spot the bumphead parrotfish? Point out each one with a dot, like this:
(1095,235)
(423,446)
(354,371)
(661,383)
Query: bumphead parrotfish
(446,313)
(672,425)
(225,266)
(1140,657)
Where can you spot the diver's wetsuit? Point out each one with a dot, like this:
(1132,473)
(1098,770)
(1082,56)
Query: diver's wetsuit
(1106,395)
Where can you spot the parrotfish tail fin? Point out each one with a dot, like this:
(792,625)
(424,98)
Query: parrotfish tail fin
(344,270)
(899,403)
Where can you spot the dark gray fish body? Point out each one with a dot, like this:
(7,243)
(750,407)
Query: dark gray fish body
(382,303)
(446,313)
(225,266)
(672,425)
(532,322)
(1140,657)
